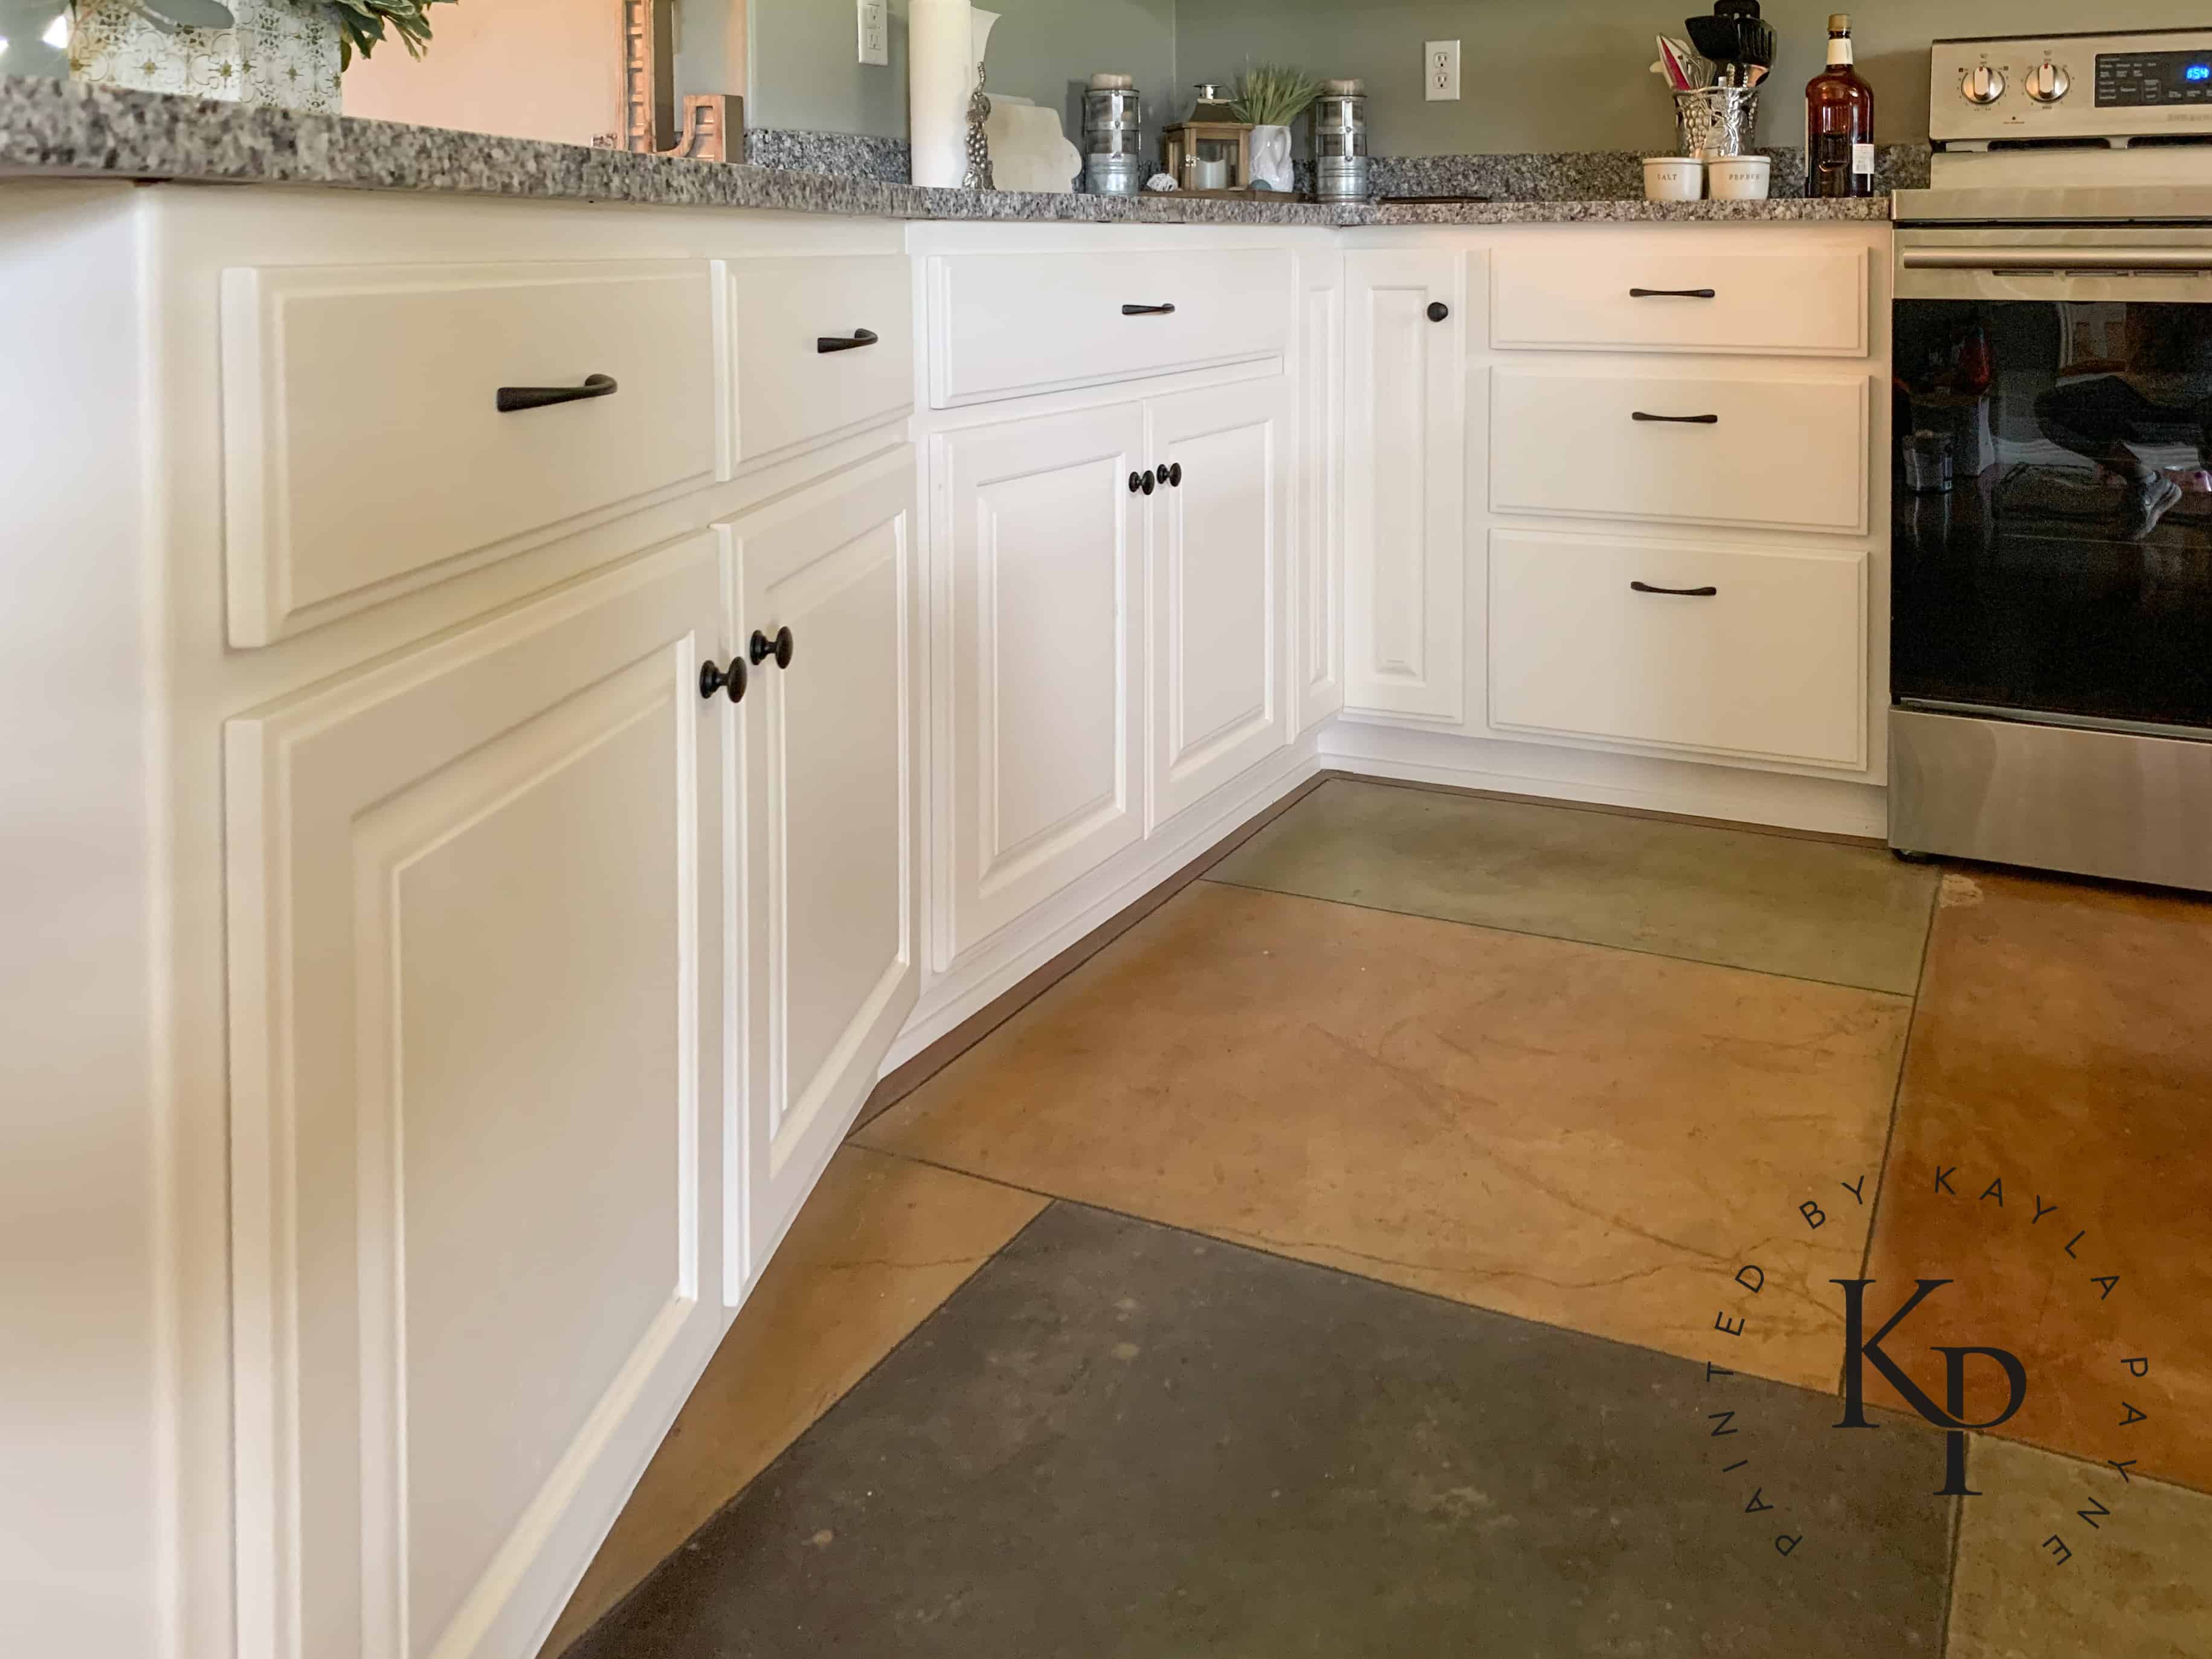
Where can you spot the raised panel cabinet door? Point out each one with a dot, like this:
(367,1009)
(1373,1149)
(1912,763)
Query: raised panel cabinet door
(1045,637)
(1406,488)
(475,917)
(826,594)
(1217,621)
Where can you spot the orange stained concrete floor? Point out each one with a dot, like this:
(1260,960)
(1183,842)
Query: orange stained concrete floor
(1395,1035)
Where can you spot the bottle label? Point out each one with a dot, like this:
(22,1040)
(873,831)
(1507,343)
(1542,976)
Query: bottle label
(1862,159)
(1839,49)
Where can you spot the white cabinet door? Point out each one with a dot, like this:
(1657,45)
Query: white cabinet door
(831,795)
(1405,544)
(1042,644)
(475,924)
(1216,587)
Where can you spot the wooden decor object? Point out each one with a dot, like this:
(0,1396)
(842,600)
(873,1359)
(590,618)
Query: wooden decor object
(1191,141)
(713,124)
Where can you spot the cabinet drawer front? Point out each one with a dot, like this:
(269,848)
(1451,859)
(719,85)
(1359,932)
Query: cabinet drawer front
(791,393)
(1771,663)
(1708,448)
(365,452)
(1652,294)
(1011,324)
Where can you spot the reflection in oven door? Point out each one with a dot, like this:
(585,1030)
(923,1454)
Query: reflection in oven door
(2053,508)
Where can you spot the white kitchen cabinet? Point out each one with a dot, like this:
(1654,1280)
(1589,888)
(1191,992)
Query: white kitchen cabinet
(1773,448)
(1760,653)
(1404,434)
(1216,585)
(1042,660)
(831,791)
(1006,324)
(475,926)
(369,444)
(1694,289)
(821,346)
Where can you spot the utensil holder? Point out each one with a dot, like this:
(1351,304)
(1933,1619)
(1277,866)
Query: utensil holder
(1718,122)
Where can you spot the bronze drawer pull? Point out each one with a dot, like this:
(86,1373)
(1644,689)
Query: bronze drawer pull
(513,399)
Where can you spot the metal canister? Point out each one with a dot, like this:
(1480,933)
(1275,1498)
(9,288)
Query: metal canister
(1718,124)
(1114,162)
(1340,172)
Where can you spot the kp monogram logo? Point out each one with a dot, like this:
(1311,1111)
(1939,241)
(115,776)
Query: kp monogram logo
(1859,1350)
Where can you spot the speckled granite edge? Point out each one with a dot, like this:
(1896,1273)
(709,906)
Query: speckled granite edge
(1596,175)
(834,154)
(1788,210)
(57,127)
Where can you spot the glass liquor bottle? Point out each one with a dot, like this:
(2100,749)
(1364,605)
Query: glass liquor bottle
(1839,121)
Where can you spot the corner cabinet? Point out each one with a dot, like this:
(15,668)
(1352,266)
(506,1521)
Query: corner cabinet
(824,618)
(1405,512)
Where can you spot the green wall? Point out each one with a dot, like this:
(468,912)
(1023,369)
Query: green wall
(804,74)
(1539,75)
(1564,75)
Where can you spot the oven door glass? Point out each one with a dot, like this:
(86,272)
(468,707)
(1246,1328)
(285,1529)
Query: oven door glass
(2053,508)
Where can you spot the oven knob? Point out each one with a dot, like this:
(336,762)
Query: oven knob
(2047,83)
(1983,84)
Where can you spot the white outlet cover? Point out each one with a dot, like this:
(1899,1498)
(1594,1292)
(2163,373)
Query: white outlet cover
(875,31)
(1440,69)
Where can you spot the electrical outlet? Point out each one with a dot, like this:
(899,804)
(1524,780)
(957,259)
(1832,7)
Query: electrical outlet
(1441,63)
(875,31)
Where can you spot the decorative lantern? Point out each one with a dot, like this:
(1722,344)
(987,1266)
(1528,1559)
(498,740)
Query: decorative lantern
(1207,157)
(1212,152)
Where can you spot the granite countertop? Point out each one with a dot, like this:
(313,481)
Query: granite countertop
(51,127)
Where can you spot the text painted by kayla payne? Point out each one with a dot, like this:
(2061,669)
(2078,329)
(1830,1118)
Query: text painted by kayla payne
(1965,1369)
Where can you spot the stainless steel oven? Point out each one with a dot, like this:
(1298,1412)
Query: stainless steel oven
(2051,626)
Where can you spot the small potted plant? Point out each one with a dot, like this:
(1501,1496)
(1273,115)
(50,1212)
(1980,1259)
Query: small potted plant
(289,53)
(1271,97)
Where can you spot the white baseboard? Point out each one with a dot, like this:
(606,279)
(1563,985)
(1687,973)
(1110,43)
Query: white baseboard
(1786,800)
(1005,961)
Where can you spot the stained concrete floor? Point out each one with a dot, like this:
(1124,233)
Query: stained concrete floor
(1343,1261)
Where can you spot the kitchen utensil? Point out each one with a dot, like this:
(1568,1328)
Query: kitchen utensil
(1740,178)
(1673,179)
(1734,33)
(1681,67)
(1115,163)
(1340,166)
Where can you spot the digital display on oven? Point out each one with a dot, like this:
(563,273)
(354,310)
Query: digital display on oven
(2136,79)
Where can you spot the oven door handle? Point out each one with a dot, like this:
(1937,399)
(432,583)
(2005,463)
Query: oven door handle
(2064,261)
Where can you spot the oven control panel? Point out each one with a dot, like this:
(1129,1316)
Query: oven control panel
(2072,86)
